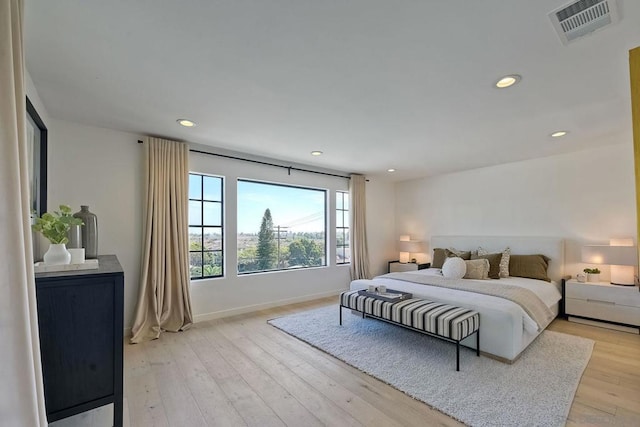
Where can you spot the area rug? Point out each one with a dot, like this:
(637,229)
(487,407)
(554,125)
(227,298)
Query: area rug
(537,390)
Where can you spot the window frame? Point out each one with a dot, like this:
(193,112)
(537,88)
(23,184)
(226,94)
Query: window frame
(325,224)
(204,226)
(345,226)
(38,150)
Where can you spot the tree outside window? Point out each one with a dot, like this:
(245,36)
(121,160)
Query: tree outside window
(280,227)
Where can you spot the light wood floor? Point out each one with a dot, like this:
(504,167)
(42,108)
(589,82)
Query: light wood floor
(241,371)
(609,391)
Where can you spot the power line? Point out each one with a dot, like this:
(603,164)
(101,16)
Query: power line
(306,219)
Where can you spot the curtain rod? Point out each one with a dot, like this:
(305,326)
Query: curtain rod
(288,168)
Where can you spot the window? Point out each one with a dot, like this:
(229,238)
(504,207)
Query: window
(205,226)
(280,227)
(343,252)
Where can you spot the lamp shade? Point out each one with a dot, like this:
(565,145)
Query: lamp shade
(610,255)
(412,246)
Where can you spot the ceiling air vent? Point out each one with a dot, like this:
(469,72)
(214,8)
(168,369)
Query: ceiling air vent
(583,17)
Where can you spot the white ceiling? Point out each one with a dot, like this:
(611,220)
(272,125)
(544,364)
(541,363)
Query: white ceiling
(373,84)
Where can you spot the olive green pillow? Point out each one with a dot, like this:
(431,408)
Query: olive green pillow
(494,263)
(439,257)
(529,266)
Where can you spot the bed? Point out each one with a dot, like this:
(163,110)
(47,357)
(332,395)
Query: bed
(507,328)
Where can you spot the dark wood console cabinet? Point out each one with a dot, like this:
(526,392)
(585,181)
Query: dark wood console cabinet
(80,321)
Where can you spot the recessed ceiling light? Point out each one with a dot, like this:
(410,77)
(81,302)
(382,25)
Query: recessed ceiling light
(559,133)
(186,123)
(316,153)
(507,81)
(391,170)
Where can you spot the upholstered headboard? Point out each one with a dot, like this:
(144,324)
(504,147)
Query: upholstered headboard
(553,247)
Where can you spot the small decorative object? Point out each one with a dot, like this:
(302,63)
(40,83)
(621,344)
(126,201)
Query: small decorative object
(75,237)
(382,289)
(372,288)
(57,254)
(54,226)
(77,255)
(89,231)
(581,277)
(593,274)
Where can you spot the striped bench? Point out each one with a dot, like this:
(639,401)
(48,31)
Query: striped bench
(435,319)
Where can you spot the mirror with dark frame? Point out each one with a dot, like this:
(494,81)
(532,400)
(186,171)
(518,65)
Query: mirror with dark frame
(37,154)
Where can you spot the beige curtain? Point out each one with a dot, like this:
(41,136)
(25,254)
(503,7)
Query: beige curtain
(634,74)
(21,392)
(164,300)
(358,228)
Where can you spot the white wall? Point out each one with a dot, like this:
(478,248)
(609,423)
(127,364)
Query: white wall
(33,96)
(103,169)
(584,197)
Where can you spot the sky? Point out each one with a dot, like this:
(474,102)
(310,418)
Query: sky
(300,209)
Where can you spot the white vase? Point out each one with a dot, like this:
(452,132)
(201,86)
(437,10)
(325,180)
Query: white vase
(57,254)
(591,277)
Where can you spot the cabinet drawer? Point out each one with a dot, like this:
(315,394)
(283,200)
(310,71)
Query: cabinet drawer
(603,311)
(399,267)
(628,296)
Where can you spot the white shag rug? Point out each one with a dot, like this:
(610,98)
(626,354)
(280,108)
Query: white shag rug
(537,390)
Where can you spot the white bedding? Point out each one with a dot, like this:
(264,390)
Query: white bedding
(506,329)
(547,292)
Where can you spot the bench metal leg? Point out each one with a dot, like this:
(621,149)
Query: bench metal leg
(457,355)
(340,308)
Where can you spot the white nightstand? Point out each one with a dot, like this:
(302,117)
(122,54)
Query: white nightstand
(397,266)
(597,303)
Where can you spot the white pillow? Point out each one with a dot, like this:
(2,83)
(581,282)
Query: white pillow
(504,261)
(454,268)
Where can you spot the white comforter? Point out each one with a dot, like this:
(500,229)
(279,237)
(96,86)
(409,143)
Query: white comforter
(547,292)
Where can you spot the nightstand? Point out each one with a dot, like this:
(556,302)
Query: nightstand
(397,266)
(603,304)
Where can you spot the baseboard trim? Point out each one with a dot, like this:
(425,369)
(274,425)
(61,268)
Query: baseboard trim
(264,306)
(251,308)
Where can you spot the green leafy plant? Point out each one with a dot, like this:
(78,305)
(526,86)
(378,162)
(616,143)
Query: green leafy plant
(54,226)
(591,271)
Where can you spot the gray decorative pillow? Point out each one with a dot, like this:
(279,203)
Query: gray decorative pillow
(504,262)
(465,255)
(477,269)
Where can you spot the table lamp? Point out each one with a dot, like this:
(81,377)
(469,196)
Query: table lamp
(622,259)
(407,247)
